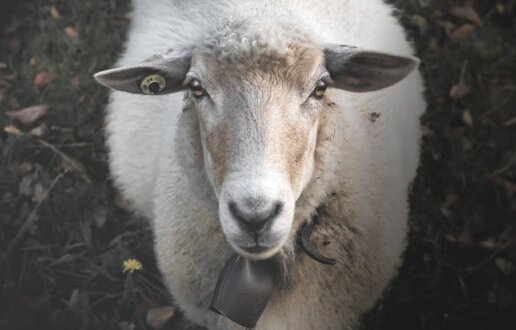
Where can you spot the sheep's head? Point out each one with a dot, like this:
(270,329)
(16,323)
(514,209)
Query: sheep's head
(259,115)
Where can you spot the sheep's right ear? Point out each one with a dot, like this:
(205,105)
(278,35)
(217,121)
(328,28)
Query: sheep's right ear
(162,73)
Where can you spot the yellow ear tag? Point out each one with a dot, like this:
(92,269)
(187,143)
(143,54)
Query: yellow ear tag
(152,84)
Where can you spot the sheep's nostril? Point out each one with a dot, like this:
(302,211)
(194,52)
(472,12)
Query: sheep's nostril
(254,219)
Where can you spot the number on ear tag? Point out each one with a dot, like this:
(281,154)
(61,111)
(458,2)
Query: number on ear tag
(152,84)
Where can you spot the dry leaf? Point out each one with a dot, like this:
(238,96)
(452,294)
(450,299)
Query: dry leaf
(465,238)
(70,164)
(462,32)
(459,91)
(450,238)
(508,185)
(3,66)
(29,115)
(447,26)
(24,167)
(4,84)
(44,78)
(39,193)
(500,8)
(158,317)
(33,61)
(74,299)
(71,33)
(39,131)
(467,12)
(451,199)
(11,129)
(124,325)
(420,22)
(504,266)
(99,215)
(54,12)
(120,202)
(467,118)
(510,122)
(488,244)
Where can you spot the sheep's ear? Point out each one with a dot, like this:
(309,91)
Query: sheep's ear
(358,70)
(162,73)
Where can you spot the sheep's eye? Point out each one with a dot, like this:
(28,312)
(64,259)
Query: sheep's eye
(197,89)
(320,88)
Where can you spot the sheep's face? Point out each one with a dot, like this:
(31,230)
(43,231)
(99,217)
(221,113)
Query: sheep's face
(258,115)
(258,129)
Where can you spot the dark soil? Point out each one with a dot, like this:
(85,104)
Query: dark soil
(65,232)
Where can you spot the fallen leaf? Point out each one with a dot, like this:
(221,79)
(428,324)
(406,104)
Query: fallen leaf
(124,325)
(120,202)
(3,66)
(508,185)
(39,194)
(70,164)
(451,199)
(157,317)
(467,118)
(467,12)
(488,244)
(29,115)
(11,129)
(74,300)
(420,22)
(427,131)
(33,61)
(39,131)
(25,186)
(504,266)
(71,33)
(54,12)
(4,84)
(24,167)
(500,8)
(447,26)
(459,91)
(510,122)
(99,215)
(450,238)
(44,77)
(462,32)
(464,238)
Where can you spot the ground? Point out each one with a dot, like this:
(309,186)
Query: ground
(65,232)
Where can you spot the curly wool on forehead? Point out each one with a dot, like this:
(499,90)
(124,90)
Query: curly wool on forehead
(260,44)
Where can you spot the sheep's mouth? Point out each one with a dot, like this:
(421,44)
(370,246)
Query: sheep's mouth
(258,249)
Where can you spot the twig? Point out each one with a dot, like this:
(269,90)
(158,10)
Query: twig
(503,169)
(30,220)
(500,249)
(69,160)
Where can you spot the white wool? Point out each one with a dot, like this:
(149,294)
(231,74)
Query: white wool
(363,173)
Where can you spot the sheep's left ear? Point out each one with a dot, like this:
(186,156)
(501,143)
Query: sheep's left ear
(358,70)
(162,73)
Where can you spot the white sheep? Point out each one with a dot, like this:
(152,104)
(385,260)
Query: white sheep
(259,119)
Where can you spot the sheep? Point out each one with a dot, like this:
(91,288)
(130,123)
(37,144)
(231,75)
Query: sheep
(235,123)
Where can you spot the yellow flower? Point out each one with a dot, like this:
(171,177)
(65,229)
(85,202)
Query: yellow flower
(130,265)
